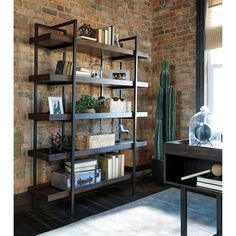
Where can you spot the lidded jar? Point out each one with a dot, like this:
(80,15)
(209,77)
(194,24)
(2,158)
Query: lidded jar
(202,130)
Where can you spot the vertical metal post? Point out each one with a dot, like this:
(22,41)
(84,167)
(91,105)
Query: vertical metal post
(135,113)
(72,192)
(219,214)
(101,73)
(35,109)
(183,203)
(63,97)
(120,96)
(201,7)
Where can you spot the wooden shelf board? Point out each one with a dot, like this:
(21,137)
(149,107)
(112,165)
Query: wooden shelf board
(63,79)
(48,193)
(84,116)
(44,154)
(181,148)
(54,41)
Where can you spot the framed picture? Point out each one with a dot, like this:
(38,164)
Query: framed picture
(55,105)
(119,74)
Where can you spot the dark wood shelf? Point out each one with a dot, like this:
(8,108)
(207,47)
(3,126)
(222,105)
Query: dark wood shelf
(48,193)
(181,148)
(56,79)
(53,41)
(44,153)
(84,116)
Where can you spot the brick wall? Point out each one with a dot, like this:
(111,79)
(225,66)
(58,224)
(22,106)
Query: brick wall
(174,31)
(165,29)
(130,16)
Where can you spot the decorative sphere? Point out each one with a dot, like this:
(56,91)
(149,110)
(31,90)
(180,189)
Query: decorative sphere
(216,170)
(202,132)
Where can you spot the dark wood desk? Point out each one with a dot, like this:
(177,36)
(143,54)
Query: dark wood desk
(180,160)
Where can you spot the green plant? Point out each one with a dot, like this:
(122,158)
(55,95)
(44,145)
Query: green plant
(165,112)
(86,102)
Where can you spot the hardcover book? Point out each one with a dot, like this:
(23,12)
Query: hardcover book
(83,162)
(84,168)
(210,178)
(209,186)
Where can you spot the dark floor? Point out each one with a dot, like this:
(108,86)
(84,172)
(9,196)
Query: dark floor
(55,215)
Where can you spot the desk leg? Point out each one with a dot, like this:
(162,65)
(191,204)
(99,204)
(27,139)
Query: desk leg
(183,211)
(219,214)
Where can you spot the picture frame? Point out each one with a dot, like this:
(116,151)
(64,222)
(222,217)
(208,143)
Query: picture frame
(55,105)
(119,74)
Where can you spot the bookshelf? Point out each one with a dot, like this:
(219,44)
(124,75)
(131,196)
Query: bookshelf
(57,39)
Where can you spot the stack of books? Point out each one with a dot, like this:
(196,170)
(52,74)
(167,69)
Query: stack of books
(82,165)
(85,173)
(64,68)
(210,181)
(81,71)
(112,165)
(106,35)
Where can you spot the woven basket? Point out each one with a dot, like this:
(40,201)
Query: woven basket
(94,141)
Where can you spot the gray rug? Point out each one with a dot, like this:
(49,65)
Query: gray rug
(155,215)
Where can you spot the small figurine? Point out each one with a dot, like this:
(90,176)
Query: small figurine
(116,40)
(123,131)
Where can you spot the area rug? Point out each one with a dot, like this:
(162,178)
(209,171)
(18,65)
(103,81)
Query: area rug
(155,215)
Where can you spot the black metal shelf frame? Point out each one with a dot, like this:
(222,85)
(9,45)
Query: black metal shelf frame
(134,85)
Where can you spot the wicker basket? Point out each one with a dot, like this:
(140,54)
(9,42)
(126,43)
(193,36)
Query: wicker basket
(94,141)
(115,106)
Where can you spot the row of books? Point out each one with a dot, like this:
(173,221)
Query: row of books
(112,165)
(106,35)
(64,67)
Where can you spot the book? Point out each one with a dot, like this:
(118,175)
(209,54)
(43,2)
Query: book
(106,166)
(114,164)
(82,73)
(121,164)
(195,174)
(84,168)
(100,36)
(87,38)
(83,162)
(64,67)
(209,186)
(210,178)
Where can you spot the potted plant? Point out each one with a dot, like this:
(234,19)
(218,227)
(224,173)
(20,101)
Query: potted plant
(165,124)
(87,104)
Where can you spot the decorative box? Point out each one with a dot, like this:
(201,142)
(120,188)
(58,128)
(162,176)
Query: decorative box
(61,179)
(111,105)
(94,141)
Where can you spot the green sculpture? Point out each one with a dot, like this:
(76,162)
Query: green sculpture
(165,124)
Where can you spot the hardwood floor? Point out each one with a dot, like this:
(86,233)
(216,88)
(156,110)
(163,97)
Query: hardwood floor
(51,216)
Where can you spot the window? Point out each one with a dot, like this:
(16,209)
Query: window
(213,58)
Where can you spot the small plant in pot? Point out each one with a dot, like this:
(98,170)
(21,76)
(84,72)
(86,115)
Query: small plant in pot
(87,104)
